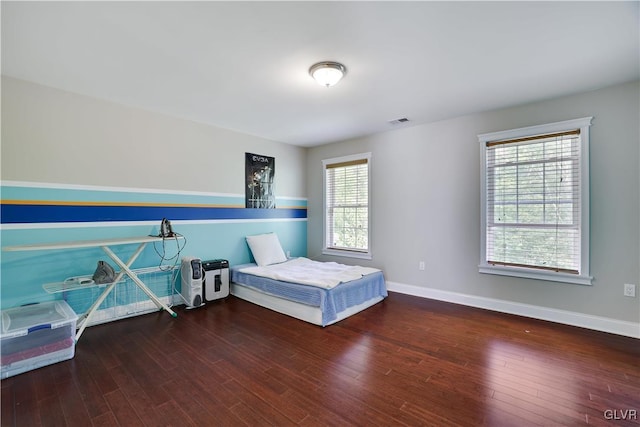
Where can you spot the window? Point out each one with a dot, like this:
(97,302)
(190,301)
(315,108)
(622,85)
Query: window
(535,202)
(346,206)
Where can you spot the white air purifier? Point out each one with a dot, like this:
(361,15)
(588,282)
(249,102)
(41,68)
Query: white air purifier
(216,279)
(192,274)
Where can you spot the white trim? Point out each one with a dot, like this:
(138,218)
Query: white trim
(235,221)
(119,312)
(532,273)
(58,186)
(347,253)
(47,225)
(536,130)
(583,124)
(597,323)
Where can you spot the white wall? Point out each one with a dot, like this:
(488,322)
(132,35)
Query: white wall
(54,136)
(426,206)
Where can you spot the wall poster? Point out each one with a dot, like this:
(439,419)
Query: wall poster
(259,175)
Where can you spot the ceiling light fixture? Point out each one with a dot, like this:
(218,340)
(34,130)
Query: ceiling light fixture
(327,73)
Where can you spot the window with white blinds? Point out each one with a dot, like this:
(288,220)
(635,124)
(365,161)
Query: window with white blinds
(346,202)
(535,216)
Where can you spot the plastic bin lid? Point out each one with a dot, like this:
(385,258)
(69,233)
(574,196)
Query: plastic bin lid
(19,319)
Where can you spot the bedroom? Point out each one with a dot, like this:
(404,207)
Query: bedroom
(61,142)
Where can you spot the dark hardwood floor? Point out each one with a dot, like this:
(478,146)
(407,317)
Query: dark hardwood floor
(405,361)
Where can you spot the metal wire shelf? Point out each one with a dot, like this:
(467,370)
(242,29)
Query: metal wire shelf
(125,300)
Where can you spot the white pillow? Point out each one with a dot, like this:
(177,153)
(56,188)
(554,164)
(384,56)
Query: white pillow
(266,249)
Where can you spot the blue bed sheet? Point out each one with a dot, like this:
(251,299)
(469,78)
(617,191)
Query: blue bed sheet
(330,301)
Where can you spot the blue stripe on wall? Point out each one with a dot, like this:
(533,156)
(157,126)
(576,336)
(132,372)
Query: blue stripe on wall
(215,225)
(25,213)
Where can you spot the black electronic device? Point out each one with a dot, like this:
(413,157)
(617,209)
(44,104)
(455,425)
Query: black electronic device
(196,268)
(165,229)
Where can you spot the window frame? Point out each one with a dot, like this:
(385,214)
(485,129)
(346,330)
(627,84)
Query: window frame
(583,276)
(351,253)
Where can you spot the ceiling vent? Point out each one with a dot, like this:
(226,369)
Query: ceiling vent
(399,121)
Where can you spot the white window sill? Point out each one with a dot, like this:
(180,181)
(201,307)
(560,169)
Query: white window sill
(530,273)
(348,254)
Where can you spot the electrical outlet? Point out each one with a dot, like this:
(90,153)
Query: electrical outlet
(421,266)
(288,254)
(629,290)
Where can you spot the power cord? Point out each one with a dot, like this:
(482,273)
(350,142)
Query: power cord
(163,254)
(175,258)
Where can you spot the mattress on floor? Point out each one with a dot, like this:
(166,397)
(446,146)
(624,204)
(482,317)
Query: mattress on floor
(330,301)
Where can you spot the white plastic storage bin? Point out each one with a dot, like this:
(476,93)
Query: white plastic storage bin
(36,335)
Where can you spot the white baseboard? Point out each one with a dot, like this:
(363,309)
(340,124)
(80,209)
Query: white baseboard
(118,312)
(604,324)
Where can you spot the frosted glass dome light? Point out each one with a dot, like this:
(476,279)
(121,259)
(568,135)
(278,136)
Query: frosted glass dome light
(327,73)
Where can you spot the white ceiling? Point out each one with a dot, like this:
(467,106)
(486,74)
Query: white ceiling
(244,65)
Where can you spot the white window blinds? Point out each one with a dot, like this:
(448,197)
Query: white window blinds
(533,202)
(347,204)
